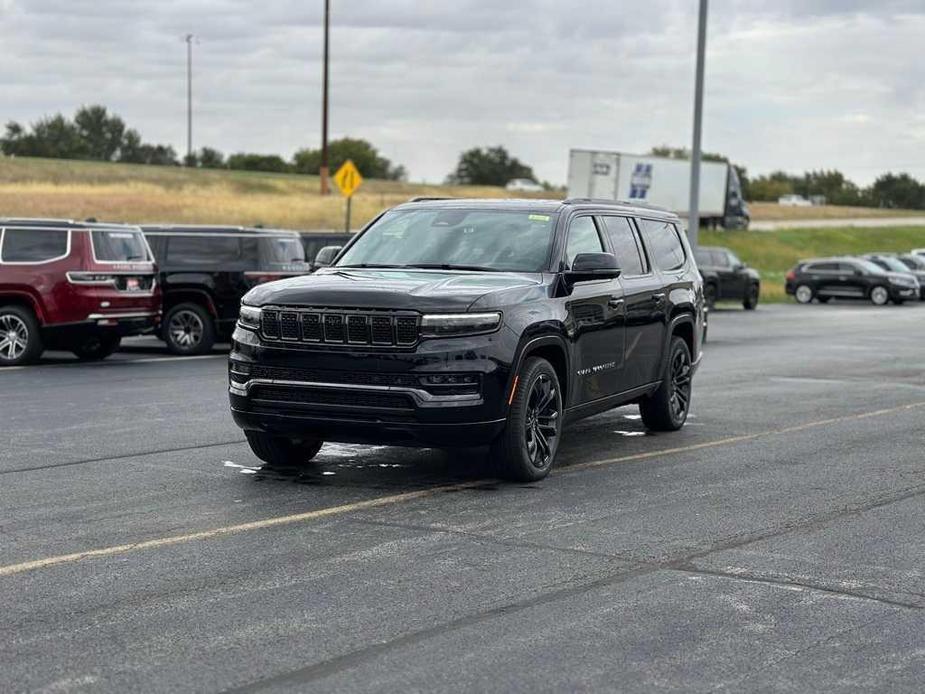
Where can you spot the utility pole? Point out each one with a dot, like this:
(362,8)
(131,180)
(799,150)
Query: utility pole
(189,38)
(325,188)
(693,219)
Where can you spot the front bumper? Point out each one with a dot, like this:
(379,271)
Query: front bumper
(904,293)
(360,395)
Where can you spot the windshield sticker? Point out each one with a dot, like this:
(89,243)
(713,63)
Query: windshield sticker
(539,217)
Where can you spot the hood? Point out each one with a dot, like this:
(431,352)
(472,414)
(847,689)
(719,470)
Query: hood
(902,277)
(420,290)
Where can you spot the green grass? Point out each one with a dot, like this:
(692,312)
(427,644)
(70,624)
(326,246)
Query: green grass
(773,253)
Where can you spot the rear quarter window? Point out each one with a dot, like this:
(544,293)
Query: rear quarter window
(33,245)
(203,250)
(665,248)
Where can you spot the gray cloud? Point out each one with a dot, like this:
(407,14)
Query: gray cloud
(792,84)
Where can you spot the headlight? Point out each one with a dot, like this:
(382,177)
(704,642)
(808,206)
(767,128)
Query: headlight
(249,317)
(452,324)
(903,281)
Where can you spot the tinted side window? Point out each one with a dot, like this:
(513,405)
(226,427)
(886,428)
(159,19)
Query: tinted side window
(704,258)
(720,259)
(665,249)
(582,238)
(623,241)
(822,267)
(198,250)
(33,245)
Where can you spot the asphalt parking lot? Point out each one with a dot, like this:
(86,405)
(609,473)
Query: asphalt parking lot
(777,542)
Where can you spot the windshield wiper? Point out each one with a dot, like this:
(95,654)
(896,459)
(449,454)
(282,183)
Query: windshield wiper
(371,265)
(451,266)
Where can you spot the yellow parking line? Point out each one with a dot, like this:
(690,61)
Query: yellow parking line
(420,494)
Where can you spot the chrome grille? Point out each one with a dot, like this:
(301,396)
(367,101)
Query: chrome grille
(341,327)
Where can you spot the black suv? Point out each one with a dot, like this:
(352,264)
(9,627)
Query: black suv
(849,278)
(906,265)
(469,322)
(725,277)
(315,242)
(204,272)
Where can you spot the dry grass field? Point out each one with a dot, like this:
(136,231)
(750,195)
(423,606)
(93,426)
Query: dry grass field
(135,193)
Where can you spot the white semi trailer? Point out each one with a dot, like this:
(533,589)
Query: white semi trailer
(659,181)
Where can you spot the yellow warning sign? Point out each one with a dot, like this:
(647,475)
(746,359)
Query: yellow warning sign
(348,179)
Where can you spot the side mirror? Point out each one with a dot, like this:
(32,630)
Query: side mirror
(326,256)
(593,266)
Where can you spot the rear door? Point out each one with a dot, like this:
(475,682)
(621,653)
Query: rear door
(594,320)
(214,263)
(641,288)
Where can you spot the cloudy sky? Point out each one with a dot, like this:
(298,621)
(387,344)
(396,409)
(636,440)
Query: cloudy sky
(791,84)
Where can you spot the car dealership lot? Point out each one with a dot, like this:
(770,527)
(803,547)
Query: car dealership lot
(776,540)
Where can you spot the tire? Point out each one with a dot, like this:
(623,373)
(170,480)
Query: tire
(750,302)
(667,408)
(188,330)
(709,295)
(281,452)
(879,295)
(526,449)
(97,347)
(804,294)
(20,337)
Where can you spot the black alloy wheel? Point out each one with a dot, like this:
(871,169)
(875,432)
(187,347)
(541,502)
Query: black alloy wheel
(668,407)
(526,449)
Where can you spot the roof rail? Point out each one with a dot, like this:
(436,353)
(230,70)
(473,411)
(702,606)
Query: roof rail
(626,203)
(431,198)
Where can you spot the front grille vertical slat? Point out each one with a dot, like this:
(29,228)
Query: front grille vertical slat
(353,327)
(270,324)
(382,330)
(357,330)
(406,330)
(289,326)
(333,327)
(311,327)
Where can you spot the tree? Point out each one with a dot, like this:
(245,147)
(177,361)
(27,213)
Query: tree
(364,155)
(898,191)
(211,158)
(101,133)
(491,166)
(258,162)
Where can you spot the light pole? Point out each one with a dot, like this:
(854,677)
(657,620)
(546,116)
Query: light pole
(189,38)
(325,189)
(693,219)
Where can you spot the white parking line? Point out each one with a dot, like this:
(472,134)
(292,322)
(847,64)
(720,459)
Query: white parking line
(393,499)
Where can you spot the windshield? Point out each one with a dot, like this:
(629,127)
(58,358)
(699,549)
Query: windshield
(891,264)
(870,267)
(456,239)
(281,250)
(912,262)
(120,246)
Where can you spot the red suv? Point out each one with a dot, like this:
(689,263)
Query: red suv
(74,286)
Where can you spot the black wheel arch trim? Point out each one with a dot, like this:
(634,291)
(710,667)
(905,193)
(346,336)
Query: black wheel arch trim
(529,346)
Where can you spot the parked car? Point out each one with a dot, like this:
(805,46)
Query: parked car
(916,263)
(470,322)
(204,272)
(74,286)
(892,263)
(313,243)
(725,277)
(849,278)
(794,201)
(523,185)
(918,252)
